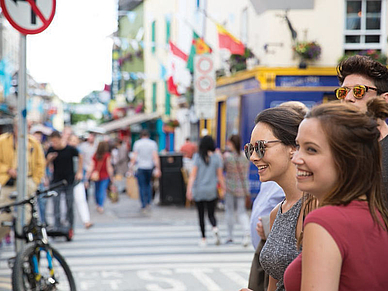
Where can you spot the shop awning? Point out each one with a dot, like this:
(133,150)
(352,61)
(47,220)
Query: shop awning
(264,5)
(124,122)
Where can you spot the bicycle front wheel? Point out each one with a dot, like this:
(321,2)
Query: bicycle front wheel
(41,268)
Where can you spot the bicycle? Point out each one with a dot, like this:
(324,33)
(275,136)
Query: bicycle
(38,266)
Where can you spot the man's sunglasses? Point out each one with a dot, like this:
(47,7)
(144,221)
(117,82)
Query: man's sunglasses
(259,147)
(358,91)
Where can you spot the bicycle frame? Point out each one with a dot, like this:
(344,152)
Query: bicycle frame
(35,232)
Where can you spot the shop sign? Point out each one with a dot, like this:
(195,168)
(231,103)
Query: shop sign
(306,81)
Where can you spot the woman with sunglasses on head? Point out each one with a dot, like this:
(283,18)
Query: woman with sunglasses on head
(271,150)
(338,160)
(202,184)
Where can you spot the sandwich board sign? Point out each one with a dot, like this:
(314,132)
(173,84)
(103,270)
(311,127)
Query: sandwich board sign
(29,16)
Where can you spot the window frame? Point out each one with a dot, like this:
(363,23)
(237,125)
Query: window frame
(154,96)
(153,36)
(363,32)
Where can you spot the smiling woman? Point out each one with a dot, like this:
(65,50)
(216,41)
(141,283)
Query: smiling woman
(345,241)
(270,150)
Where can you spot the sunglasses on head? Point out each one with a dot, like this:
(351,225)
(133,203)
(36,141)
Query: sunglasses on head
(358,91)
(259,147)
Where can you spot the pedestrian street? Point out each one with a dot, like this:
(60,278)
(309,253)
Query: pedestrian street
(129,250)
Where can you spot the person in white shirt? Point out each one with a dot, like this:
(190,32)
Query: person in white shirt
(145,155)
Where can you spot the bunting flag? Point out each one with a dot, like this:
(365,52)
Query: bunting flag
(227,41)
(198,47)
(177,61)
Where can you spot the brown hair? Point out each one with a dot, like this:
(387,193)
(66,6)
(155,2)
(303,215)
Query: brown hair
(366,67)
(283,121)
(236,141)
(102,149)
(353,138)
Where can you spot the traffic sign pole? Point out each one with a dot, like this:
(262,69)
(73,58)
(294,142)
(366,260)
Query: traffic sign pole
(22,138)
(28,17)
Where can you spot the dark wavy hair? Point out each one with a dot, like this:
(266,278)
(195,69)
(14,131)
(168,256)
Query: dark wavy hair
(366,67)
(353,137)
(206,144)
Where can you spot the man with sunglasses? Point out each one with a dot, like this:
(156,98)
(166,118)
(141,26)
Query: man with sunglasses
(362,78)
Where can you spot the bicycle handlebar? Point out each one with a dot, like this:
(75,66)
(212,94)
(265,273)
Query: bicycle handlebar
(52,187)
(37,193)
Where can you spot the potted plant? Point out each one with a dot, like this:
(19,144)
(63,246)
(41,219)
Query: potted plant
(239,62)
(307,51)
(170,125)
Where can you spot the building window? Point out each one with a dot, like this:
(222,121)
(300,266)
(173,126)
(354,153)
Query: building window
(168,29)
(168,101)
(153,36)
(244,26)
(364,27)
(154,89)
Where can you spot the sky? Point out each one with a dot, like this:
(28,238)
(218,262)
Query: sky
(74,53)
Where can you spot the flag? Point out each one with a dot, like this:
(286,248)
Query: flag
(229,42)
(198,47)
(176,64)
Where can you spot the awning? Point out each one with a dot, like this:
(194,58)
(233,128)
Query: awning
(124,122)
(264,5)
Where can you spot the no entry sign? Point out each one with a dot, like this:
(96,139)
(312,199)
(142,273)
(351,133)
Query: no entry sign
(204,86)
(29,16)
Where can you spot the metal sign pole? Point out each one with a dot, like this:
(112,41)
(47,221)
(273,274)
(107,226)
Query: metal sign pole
(22,137)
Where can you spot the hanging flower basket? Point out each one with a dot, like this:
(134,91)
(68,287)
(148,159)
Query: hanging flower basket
(170,125)
(307,50)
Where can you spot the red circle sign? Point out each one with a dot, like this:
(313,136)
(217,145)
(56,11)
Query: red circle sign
(205,83)
(29,16)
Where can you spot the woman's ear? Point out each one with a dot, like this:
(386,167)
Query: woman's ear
(292,151)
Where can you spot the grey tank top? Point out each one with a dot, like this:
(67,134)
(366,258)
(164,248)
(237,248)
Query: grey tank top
(280,248)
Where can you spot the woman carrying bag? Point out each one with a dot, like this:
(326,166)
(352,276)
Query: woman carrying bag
(100,172)
(236,182)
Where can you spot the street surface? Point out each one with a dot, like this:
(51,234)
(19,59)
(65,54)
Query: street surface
(129,250)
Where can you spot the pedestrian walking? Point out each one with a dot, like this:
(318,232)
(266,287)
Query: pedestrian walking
(145,157)
(338,161)
(237,188)
(202,185)
(42,201)
(188,149)
(101,173)
(87,149)
(79,189)
(361,79)
(61,156)
(9,172)
(271,149)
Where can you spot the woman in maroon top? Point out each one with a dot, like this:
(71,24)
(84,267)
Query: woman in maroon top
(101,162)
(338,160)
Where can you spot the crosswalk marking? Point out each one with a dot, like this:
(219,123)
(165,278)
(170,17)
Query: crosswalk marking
(150,255)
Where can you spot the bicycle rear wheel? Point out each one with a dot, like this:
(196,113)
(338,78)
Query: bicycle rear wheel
(41,268)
